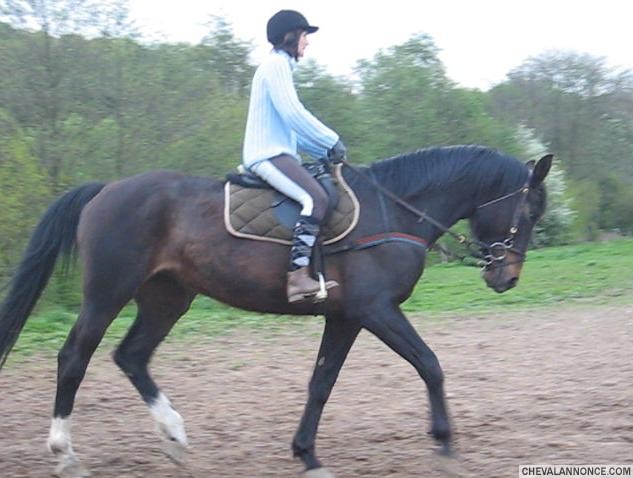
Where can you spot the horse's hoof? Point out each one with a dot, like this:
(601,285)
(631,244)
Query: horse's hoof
(71,469)
(446,450)
(448,464)
(318,473)
(175,451)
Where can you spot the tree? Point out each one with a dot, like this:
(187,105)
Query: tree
(575,103)
(584,113)
(555,227)
(226,56)
(115,24)
(49,68)
(21,183)
(412,104)
(332,100)
(398,88)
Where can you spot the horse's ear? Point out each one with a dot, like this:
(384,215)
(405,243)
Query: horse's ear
(541,169)
(530,164)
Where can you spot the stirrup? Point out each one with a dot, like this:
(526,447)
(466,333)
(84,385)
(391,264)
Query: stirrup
(322,294)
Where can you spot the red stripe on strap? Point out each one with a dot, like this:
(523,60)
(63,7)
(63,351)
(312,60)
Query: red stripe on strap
(391,235)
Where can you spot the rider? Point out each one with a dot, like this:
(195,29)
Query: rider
(277,126)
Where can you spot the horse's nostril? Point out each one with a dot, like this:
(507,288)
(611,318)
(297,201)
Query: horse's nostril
(513,282)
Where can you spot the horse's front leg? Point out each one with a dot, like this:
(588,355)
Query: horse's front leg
(388,323)
(338,337)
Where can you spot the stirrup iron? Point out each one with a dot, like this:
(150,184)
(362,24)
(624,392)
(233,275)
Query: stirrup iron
(322,294)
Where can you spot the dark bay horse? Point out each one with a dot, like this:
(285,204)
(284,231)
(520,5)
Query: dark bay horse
(159,239)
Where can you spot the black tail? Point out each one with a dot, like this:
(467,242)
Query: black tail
(56,233)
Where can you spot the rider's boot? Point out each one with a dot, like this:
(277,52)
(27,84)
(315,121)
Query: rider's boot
(301,285)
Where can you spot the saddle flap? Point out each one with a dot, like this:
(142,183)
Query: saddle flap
(266,215)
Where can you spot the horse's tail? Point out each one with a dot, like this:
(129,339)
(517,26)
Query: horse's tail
(56,233)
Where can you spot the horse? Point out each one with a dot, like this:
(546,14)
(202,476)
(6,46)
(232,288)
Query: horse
(159,239)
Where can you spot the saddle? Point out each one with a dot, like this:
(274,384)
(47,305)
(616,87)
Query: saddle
(254,210)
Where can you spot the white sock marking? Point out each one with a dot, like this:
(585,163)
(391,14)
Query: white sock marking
(170,423)
(59,440)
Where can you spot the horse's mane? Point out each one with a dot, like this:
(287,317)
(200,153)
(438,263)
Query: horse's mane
(474,167)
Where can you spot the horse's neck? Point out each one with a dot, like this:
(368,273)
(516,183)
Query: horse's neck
(450,203)
(446,206)
(452,198)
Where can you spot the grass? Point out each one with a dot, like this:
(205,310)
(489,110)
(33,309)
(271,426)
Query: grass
(585,274)
(595,273)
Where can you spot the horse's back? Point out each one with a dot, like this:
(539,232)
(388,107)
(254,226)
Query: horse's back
(135,216)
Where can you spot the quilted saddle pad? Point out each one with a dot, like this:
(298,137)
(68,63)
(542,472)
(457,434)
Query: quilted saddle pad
(252,213)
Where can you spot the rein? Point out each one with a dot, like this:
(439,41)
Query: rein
(488,254)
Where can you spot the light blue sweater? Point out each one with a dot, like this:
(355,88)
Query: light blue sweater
(277,121)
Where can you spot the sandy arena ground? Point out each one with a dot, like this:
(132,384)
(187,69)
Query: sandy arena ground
(535,387)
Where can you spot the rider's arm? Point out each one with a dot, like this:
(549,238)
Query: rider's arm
(313,136)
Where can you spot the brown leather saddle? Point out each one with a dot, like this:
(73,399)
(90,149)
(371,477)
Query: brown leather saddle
(254,210)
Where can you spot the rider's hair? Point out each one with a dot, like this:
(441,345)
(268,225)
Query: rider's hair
(290,43)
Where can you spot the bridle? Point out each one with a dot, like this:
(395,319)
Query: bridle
(497,251)
(486,253)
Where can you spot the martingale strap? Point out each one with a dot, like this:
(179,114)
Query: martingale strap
(376,240)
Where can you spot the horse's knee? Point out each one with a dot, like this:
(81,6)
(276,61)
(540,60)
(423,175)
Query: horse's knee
(119,358)
(126,362)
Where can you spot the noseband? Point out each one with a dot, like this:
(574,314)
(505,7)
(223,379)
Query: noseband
(497,251)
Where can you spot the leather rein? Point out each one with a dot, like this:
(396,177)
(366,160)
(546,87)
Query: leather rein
(487,253)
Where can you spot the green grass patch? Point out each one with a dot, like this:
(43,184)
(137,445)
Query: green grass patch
(592,273)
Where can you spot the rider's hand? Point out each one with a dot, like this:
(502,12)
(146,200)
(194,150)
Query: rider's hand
(337,153)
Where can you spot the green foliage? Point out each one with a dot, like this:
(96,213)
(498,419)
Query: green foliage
(602,205)
(23,190)
(583,273)
(407,102)
(583,111)
(623,210)
(227,57)
(556,226)
(586,203)
(398,93)
(332,100)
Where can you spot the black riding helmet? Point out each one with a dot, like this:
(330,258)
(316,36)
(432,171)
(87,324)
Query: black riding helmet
(285,21)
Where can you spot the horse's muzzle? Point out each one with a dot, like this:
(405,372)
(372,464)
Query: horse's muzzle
(504,286)
(503,275)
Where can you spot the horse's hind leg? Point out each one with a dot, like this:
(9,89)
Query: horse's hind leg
(73,358)
(161,302)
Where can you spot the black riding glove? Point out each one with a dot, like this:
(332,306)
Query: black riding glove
(336,153)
